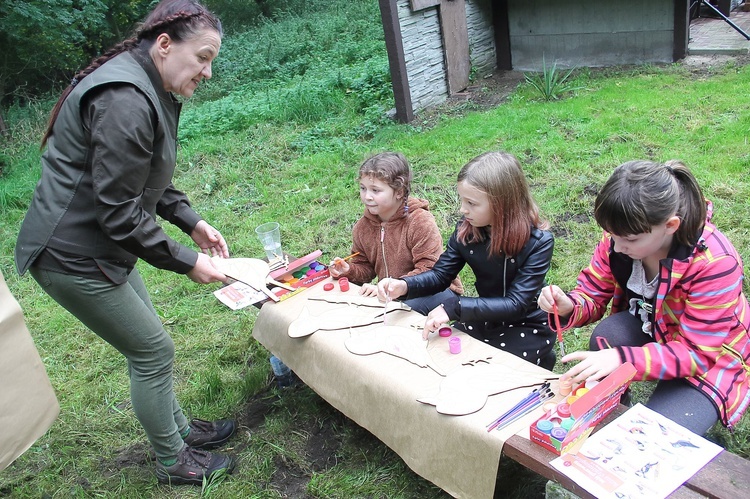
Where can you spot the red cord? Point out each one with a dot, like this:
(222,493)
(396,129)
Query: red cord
(556,316)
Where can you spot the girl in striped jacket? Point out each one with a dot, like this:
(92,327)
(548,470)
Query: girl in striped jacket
(674,281)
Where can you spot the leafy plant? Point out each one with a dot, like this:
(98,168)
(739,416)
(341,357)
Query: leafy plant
(549,83)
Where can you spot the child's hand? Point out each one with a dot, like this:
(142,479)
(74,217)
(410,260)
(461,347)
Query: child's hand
(594,365)
(368,290)
(390,289)
(553,294)
(338,268)
(435,319)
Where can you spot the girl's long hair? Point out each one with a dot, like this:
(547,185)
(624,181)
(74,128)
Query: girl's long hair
(514,211)
(180,19)
(641,194)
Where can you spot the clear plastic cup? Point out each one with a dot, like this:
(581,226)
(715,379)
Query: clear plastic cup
(270,238)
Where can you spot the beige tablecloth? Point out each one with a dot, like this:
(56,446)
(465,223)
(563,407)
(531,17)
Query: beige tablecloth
(380,391)
(28,405)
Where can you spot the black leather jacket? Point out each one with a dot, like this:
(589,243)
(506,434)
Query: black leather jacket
(508,287)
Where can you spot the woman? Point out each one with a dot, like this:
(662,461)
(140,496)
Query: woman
(106,173)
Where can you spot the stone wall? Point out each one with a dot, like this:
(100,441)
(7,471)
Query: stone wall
(481,36)
(423,49)
(423,54)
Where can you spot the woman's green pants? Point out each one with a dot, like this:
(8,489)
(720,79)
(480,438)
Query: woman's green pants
(123,316)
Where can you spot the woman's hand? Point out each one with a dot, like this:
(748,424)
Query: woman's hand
(551,295)
(209,240)
(338,268)
(205,271)
(435,320)
(390,289)
(368,290)
(593,365)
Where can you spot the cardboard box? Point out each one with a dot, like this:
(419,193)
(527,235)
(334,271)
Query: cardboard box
(587,411)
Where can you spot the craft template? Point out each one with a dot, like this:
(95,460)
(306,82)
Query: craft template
(465,390)
(332,320)
(399,341)
(250,271)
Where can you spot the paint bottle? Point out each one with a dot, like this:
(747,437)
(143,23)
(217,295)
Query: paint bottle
(580,392)
(558,433)
(563,410)
(544,426)
(454,344)
(566,386)
(568,423)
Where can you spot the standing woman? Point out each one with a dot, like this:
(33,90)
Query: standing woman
(106,173)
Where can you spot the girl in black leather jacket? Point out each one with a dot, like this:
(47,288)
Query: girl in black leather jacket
(504,241)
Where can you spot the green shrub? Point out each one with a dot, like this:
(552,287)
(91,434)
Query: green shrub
(550,83)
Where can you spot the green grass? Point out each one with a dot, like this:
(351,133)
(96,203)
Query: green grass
(280,136)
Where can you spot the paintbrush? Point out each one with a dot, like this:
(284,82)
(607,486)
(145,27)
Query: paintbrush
(344,259)
(526,410)
(523,401)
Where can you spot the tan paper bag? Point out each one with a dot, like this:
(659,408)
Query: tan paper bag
(28,405)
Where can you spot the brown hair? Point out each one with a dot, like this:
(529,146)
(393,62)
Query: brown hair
(514,211)
(391,168)
(180,19)
(641,194)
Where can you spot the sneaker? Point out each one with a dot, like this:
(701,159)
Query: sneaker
(208,435)
(193,466)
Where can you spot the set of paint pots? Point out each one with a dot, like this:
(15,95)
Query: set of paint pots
(557,420)
(308,270)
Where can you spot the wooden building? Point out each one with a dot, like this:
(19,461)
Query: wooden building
(433,45)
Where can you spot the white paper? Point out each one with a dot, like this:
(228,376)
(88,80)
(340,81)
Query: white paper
(238,295)
(639,454)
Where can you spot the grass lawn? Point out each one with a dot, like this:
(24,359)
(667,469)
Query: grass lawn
(288,150)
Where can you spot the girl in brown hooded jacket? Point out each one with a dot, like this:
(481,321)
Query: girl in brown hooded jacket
(397,236)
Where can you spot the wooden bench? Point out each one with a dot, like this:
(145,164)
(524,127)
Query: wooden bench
(727,476)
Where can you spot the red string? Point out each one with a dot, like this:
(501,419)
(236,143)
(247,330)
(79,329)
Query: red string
(556,316)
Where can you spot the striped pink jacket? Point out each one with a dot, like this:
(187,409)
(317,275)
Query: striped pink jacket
(700,323)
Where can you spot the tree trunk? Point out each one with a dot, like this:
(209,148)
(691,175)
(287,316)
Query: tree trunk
(263,8)
(3,126)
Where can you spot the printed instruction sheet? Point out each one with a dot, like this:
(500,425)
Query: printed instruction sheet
(641,454)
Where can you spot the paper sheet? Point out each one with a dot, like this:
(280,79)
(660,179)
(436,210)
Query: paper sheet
(380,391)
(28,405)
(641,454)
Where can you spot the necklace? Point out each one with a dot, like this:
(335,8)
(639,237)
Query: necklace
(647,306)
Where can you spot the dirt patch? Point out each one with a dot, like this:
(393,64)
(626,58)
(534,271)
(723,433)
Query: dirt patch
(289,479)
(324,439)
(484,93)
(706,64)
(253,414)
(323,446)
(140,455)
